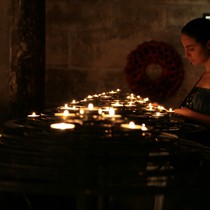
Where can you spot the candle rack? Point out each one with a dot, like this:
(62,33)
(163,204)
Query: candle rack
(97,154)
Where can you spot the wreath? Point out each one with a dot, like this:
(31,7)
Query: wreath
(153,52)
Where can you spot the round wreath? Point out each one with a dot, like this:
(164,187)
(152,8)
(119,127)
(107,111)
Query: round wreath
(153,52)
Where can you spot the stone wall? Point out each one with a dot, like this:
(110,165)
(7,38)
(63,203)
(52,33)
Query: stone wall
(87,42)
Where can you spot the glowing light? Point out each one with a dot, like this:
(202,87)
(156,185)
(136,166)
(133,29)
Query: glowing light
(90,106)
(143,127)
(170,110)
(111,112)
(62,126)
(161,108)
(33,115)
(131,125)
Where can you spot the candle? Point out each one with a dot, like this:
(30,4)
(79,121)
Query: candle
(170,110)
(131,125)
(81,111)
(90,106)
(111,114)
(117,104)
(89,97)
(146,99)
(157,115)
(141,101)
(62,126)
(67,107)
(112,92)
(143,127)
(65,113)
(130,104)
(161,108)
(150,107)
(131,96)
(33,115)
(90,110)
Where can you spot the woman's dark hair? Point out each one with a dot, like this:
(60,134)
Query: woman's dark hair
(199,29)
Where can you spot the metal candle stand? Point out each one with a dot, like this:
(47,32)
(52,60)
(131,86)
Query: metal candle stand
(98,156)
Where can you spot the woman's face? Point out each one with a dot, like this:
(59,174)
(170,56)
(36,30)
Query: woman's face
(195,52)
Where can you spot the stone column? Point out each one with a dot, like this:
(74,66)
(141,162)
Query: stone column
(27,57)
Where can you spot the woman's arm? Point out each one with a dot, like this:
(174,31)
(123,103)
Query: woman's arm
(186,112)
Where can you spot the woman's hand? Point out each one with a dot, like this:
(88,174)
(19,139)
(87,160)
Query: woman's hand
(186,112)
(183,111)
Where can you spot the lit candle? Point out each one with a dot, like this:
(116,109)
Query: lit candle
(150,107)
(170,110)
(100,111)
(33,115)
(141,101)
(131,125)
(81,111)
(112,92)
(117,104)
(90,106)
(143,127)
(157,115)
(111,114)
(89,97)
(90,109)
(67,107)
(62,126)
(65,113)
(161,108)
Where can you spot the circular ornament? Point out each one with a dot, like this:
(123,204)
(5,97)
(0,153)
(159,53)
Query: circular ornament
(154,53)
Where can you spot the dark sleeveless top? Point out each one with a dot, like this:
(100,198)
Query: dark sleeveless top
(198,100)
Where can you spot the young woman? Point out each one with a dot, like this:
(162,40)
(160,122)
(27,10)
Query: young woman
(195,38)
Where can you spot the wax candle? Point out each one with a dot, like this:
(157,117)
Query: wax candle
(143,127)
(67,107)
(65,113)
(150,107)
(111,114)
(33,115)
(62,126)
(170,110)
(157,115)
(161,108)
(117,104)
(131,125)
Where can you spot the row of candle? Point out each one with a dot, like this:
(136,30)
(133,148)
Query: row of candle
(85,107)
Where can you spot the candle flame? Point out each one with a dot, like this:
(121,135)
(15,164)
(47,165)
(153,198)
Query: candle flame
(161,108)
(33,113)
(170,110)
(100,111)
(81,111)
(90,106)
(143,127)
(66,106)
(111,112)
(65,112)
(62,126)
(131,124)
